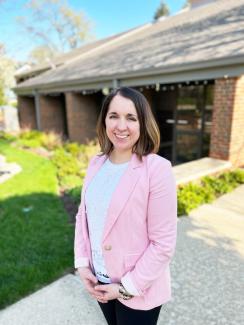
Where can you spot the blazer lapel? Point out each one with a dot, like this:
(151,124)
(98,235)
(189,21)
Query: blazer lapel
(123,189)
(122,193)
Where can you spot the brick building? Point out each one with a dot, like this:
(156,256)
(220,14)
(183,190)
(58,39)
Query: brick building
(190,66)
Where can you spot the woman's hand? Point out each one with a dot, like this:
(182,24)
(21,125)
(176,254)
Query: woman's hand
(89,280)
(110,291)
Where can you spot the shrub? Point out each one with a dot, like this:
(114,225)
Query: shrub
(191,195)
(238,175)
(34,139)
(51,140)
(66,163)
(74,148)
(70,158)
(75,193)
(7,136)
(30,138)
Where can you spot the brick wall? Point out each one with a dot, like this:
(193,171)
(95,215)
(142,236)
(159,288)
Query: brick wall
(82,114)
(237,134)
(26,112)
(52,114)
(228,121)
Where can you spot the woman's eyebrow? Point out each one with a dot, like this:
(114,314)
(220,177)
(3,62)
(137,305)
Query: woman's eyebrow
(129,114)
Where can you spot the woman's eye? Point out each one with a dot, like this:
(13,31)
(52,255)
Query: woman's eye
(129,118)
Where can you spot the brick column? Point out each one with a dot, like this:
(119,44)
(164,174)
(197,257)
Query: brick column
(26,112)
(82,114)
(52,114)
(237,134)
(227,133)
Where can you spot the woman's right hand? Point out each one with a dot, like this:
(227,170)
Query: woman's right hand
(89,280)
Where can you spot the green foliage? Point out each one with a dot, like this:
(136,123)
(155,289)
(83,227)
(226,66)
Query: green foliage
(7,136)
(35,139)
(71,161)
(237,176)
(187,4)
(2,94)
(7,71)
(36,238)
(163,10)
(31,139)
(42,53)
(75,193)
(74,148)
(70,158)
(51,140)
(67,164)
(191,195)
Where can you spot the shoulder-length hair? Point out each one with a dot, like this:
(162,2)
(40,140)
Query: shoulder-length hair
(149,139)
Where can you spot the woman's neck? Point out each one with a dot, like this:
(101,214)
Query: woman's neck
(120,157)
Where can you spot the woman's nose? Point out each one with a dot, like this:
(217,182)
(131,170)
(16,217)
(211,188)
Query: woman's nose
(121,124)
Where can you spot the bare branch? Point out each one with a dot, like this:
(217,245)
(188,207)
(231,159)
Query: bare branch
(53,24)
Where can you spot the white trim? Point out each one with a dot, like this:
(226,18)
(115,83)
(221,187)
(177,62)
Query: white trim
(129,286)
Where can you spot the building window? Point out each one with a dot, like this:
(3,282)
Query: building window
(192,127)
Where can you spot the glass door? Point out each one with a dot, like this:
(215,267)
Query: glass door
(190,120)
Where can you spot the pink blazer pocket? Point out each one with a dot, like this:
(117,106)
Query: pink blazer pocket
(130,261)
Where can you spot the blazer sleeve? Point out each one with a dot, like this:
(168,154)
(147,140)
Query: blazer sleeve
(80,252)
(162,230)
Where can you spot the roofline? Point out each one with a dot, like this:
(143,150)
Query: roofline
(211,69)
(107,42)
(35,71)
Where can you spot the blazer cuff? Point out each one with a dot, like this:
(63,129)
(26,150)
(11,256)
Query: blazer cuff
(81,262)
(129,285)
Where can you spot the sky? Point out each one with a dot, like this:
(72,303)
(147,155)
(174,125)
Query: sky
(109,17)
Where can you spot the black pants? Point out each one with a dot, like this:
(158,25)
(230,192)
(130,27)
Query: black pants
(117,313)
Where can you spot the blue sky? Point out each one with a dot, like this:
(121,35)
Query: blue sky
(108,16)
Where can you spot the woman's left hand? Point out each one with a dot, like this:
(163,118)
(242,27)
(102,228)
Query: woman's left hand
(110,291)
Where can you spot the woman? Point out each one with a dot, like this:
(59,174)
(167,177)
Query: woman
(126,224)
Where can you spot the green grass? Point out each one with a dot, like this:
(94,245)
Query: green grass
(36,244)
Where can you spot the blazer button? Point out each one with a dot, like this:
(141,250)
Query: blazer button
(107,247)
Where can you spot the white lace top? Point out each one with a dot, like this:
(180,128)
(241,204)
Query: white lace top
(97,199)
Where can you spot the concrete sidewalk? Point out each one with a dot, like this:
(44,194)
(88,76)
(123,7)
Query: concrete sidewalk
(207,277)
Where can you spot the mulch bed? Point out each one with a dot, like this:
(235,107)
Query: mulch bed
(69,205)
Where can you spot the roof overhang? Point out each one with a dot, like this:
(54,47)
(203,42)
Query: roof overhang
(209,69)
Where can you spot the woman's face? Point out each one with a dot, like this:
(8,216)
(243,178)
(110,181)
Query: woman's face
(122,124)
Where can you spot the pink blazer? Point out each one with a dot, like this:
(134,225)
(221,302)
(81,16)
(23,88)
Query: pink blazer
(139,235)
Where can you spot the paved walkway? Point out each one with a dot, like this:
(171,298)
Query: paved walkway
(207,273)
(7,170)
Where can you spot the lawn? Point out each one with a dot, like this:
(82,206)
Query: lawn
(36,237)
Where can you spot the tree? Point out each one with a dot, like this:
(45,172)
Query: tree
(162,10)
(2,50)
(41,54)
(7,70)
(2,95)
(55,26)
(187,4)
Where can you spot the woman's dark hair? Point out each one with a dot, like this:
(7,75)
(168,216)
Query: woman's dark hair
(149,139)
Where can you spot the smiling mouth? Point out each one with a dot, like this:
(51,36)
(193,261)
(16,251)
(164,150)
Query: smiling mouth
(121,136)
